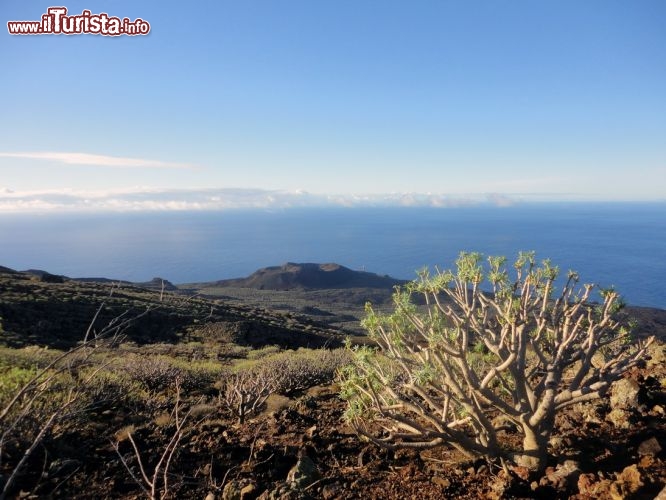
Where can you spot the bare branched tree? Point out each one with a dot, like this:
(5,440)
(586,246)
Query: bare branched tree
(245,392)
(155,484)
(462,367)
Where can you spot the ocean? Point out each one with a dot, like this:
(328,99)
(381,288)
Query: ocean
(612,244)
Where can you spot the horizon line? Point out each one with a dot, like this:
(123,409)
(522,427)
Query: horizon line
(142,199)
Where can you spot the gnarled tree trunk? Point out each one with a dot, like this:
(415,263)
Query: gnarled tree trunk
(535,450)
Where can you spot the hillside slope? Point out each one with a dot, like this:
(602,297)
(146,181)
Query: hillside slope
(309,276)
(57,313)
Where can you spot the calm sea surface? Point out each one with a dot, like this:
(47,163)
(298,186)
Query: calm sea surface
(611,244)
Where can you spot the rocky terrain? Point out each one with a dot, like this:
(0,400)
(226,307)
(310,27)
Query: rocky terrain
(302,449)
(176,353)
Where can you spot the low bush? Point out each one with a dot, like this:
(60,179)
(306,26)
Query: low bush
(299,370)
(244,393)
(158,374)
(244,390)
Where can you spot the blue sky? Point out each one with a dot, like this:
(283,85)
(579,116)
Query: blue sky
(263,101)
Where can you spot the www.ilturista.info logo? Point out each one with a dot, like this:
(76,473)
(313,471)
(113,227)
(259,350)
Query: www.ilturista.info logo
(57,22)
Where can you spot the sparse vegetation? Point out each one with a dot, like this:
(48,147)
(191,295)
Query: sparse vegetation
(128,391)
(245,390)
(37,399)
(304,368)
(155,483)
(470,364)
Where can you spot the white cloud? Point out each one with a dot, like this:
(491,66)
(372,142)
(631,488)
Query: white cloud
(144,199)
(95,160)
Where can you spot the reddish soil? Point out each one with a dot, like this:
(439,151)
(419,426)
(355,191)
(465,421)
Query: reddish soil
(220,455)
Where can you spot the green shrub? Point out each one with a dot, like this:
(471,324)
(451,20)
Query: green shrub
(158,374)
(299,370)
(444,372)
(266,351)
(245,388)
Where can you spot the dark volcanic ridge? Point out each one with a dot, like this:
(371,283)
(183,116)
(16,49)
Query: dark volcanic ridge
(309,276)
(154,284)
(46,277)
(325,297)
(38,308)
(289,276)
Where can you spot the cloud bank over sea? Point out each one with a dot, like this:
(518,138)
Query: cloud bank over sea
(144,199)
